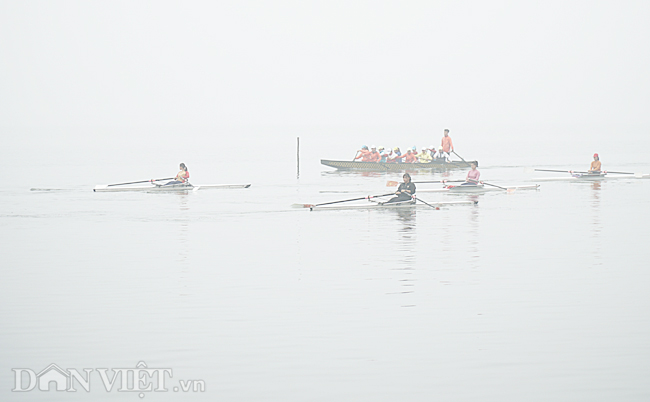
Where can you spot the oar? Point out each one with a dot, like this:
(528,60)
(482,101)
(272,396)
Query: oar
(510,190)
(425,203)
(336,202)
(136,182)
(394,183)
(461,158)
(355,156)
(559,171)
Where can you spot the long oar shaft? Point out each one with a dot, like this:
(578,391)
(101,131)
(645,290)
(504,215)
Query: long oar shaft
(353,199)
(395,183)
(425,203)
(461,158)
(609,171)
(136,182)
(559,171)
(494,185)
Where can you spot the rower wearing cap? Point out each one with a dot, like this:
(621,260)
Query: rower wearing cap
(446,144)
(182,176)
(405,191)
(374,155)
(364,154)
(595,165)
(411,156)
(442,155)
(383,154)
(424,156)
(396,156)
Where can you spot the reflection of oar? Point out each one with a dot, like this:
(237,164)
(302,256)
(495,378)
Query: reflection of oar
(336,202)
(136,182)
(394,183)
(461,158)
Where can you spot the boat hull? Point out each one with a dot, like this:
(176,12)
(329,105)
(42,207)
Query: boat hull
(394,205)
(393,167)
(167,189)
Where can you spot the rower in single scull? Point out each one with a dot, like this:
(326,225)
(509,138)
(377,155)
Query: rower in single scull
(473,175)
(182,176)
(595,165)
(405,191)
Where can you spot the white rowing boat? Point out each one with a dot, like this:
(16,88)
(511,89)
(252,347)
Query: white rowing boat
(473,188)
(588,177)
(392,205)
(168,188)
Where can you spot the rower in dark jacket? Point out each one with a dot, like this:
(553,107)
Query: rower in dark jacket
(405,191)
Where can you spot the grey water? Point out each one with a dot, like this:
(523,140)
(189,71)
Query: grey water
(526,296)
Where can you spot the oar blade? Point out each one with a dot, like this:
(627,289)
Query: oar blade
(302,205)
(392,184)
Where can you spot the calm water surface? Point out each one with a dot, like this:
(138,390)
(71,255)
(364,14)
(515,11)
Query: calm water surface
(529,296)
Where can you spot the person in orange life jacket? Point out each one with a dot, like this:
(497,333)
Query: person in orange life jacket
(410,157)
(181,177)
(364,154)
(446,144)
(405,191)
(374,155)
(595,165)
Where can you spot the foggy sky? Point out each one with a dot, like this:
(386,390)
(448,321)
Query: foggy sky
(497,65)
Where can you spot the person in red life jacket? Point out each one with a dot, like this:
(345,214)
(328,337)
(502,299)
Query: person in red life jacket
(182,177)
(447,145)
(410,157)
(374,155)
(364,154)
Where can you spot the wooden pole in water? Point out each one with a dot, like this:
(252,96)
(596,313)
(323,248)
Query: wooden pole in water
(297,157)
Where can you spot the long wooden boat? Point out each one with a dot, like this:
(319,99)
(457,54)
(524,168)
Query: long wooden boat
(392,205)
(394,167)
(481,188)
(169,188)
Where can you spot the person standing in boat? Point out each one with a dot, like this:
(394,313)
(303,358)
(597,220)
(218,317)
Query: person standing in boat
(473,175)
(447,145)
(595,165)
(182,176)
(405,191)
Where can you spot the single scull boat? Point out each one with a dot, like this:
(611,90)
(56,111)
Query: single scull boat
(168,188)
(392,205)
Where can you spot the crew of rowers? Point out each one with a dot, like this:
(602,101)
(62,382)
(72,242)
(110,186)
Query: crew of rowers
(395,155)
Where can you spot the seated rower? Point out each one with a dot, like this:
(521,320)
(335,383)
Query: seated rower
(410,157)
(473,176)
(442,155)
(364,154)
(383,155)
(395,156)
(424,156)
(405,191)
(374,155)
(595,165)
(432,152)
(181,177)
